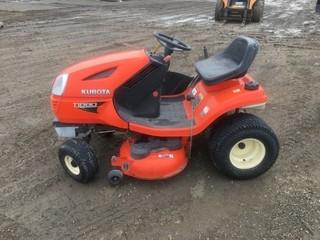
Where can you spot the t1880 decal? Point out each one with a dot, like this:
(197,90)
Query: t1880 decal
(89,107)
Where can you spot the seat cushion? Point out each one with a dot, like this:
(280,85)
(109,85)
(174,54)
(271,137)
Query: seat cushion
(216,69)
(232,62)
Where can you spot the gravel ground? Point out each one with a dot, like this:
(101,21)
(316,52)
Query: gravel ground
(38,200)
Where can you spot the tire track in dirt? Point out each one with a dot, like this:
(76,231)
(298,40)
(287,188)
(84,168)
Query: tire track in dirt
(12,230)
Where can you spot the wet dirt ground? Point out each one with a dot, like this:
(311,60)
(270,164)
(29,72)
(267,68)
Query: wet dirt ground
(38,200)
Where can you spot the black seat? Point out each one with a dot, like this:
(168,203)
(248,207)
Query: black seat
(233,62)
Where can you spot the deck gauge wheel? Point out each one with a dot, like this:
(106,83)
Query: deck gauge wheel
(115,177)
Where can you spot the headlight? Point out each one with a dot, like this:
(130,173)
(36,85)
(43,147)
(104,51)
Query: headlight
(59,84)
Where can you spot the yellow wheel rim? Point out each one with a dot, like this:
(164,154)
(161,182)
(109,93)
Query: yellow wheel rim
(71,165)
(247,153)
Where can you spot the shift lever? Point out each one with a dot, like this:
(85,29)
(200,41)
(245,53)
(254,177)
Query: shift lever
(205,52)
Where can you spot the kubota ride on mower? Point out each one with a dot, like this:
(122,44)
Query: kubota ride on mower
(161,111)
(239,10)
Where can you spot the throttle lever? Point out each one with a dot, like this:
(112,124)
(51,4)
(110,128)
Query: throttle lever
(205,52)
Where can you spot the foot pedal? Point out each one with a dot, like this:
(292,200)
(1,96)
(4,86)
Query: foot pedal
(143,149)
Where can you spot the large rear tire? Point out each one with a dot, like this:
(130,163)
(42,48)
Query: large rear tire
(218,14)
(243,146)
(78,160)
(257,11)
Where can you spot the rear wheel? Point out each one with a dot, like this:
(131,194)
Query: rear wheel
(243,146)
(78,160)
(257,11)
(218,15)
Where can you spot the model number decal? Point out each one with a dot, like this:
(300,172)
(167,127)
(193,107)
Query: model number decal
(85,105)
(95,92)
(88,107)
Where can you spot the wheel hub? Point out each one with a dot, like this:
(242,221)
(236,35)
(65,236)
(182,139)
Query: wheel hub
(247,153)
(71,165)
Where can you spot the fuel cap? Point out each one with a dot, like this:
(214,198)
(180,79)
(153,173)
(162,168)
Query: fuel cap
(252,85)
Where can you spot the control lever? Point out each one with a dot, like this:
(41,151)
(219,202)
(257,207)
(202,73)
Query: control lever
(190,97)
(205,52)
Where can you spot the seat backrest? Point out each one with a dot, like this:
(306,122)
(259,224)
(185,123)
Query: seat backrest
(242,51)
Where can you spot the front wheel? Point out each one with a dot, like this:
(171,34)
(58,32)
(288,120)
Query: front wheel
(218,13)
(257,11)
(243,146)
(78,160)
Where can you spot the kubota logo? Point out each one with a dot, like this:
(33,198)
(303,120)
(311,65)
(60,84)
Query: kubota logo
(95,91)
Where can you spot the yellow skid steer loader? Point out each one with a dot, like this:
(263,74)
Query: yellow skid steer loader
(239,10)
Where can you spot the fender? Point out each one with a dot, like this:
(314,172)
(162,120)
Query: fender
(224,98)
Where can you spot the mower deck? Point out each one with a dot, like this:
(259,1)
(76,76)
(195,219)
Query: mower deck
(172,114)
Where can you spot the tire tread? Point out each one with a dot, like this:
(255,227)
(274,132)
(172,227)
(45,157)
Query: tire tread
(230,127)
(85,158)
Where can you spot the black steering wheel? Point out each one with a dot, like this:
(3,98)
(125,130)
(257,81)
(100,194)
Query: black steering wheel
(170,43)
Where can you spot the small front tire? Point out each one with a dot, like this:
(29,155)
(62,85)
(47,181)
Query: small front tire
(243,146)
(78,160)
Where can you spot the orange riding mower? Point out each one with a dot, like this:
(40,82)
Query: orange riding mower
(134,92)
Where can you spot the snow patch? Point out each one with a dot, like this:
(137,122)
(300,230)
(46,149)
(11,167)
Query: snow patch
(182,19)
